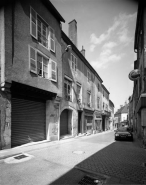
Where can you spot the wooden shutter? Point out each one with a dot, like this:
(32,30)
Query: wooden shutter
(33,23)
(52,40)
(32,60)
(53,70)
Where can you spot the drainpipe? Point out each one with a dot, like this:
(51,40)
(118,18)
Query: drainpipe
(2,48)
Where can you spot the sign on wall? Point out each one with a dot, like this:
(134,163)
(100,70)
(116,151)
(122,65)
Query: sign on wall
(134,74)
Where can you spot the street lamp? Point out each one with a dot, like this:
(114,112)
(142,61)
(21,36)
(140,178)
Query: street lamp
(68,47)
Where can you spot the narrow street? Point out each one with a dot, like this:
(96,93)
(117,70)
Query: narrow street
(67,161)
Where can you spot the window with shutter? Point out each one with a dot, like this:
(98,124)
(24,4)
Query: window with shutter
(88,76)
(41,31)
(53,71)
(32,60)
(33,23)
(74,62)
(52,40)
(68,89)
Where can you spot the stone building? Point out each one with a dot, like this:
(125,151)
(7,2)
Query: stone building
(105,109)
(138,75)
(80,83)
(111,118)
(31,72)
(48,89)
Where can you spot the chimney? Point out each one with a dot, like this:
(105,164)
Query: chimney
(83,51)
(72,31)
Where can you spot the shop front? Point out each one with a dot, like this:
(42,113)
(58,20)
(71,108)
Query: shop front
(97,122)
(88,121)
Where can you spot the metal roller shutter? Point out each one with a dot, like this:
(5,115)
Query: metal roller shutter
(28,121)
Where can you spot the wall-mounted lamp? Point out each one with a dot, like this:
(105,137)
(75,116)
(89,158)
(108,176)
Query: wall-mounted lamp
(68,48)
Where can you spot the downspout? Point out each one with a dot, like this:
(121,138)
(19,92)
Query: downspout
(2,48)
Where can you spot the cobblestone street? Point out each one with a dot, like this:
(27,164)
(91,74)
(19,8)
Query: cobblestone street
(121,160)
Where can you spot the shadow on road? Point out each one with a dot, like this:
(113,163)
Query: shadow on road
(121,160)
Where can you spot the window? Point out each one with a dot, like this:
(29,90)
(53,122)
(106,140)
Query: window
(103,105)
(68,89)
(98,87)
(89,98)
(42,65)
(106,107)
(41,31)
(88,76)
(98,102)
(74,62)
(52,40)
(79,95)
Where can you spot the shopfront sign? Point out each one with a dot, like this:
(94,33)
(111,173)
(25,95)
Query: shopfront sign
(134,75)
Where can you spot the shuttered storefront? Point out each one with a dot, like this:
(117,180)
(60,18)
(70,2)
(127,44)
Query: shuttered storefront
(28,120)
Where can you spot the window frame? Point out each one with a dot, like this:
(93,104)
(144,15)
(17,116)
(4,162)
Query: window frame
(88,76)
(68,82)
(89,93)
(79,96)
(98,102)
(48,34)
(74,62)
(36,63)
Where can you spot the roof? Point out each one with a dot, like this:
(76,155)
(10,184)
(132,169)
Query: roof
(123,109)
(105,89)
(111,103)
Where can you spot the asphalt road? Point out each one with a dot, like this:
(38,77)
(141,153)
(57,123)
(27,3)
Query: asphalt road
(55,163)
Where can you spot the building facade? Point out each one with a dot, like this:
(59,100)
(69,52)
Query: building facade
(31,70)
(105,109)
(139,90)
(82,85)
(49,90)
(111,118)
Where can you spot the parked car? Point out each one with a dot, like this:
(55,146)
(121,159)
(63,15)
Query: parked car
(123,133)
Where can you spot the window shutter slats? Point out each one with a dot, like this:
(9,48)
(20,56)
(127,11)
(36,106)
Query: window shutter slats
(53,70)
(33,23)
(32,60)
(52,40)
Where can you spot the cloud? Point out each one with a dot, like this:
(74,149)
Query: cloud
(107,56)
(119,29)
(109,45)
(92,47)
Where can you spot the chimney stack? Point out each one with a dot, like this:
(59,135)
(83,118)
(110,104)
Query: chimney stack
(83,51)
(72,31)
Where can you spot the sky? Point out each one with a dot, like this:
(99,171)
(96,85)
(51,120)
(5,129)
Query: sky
(106,29)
